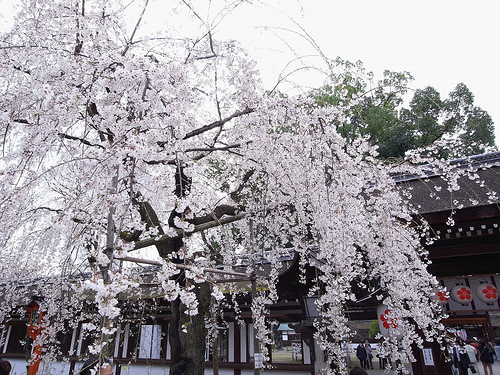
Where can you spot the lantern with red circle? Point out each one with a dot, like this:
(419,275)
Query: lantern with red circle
(387,321)
(443,297)
(487,293)
(461,294)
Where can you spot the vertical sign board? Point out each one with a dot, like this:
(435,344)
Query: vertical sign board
(428,358)
(259,360)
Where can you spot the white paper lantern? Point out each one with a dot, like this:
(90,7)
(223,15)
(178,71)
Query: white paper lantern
(461,294)
(386,321)
(443,297)
(487,293)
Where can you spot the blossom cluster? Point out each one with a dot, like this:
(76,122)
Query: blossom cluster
(107,143)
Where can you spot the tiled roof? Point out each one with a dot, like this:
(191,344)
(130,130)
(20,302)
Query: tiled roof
(430,191)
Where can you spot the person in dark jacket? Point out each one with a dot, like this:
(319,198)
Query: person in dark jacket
(486,356)
(362,356)
(461,359)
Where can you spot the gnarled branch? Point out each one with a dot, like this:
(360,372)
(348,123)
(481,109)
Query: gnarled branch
(82,140)
(215,124)
(181,233)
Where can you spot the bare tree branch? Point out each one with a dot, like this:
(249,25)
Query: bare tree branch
(82,140)
(130,41)
(56,210)
(212,149)
(217,124)
(204,152)
(246,178)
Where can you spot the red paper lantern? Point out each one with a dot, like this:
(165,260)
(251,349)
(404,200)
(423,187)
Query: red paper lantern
(487,293)
(461,294)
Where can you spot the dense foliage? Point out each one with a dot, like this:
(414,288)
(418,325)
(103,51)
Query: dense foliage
(376,111)
(111,143)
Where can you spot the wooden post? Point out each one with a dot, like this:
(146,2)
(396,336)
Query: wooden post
(257,354)
(34,330)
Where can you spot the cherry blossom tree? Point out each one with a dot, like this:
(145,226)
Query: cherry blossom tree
(115,141)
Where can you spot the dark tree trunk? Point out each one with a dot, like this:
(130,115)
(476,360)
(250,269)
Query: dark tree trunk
(188,348)
(174,336)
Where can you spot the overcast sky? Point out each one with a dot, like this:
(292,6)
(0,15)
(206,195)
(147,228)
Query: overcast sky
(441,43)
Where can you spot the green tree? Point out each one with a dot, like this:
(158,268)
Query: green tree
(422,118)
(372,106)
(376,112)
(373,330)
(472,124)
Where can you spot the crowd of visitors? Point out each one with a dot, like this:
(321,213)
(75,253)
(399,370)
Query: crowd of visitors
(364,353)
(466,356)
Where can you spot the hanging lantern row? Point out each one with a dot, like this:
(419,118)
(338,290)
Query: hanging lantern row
(462,294)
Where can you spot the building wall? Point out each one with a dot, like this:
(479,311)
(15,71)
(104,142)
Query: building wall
(143,349)
(463,314)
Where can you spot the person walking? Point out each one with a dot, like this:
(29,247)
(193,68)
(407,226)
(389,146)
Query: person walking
(369,355)
(386,352)
(497,349)
(486,356)
(461,359)
(361,354)
(472,353)
(380,356)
